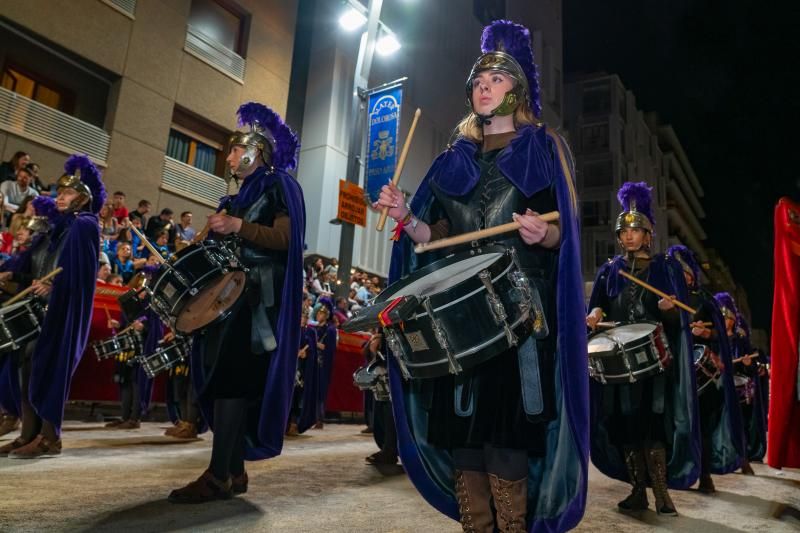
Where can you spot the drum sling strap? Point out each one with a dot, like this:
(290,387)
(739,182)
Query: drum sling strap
(530,377)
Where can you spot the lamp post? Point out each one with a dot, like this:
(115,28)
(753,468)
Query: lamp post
(387,44)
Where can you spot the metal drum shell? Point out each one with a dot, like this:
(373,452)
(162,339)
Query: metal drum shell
(20,323)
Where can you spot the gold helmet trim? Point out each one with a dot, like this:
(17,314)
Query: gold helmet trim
(633,219)
(73,181)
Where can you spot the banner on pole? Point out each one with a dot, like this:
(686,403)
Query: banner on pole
(384,125)
(352,208)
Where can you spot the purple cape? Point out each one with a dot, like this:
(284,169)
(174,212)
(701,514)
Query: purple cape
(536,159)
(754,430)
(311,373)
(681,410)
(277,400)
(66,326)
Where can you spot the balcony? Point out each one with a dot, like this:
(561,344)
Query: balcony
(126,7)
(214,54)
(192,183)
(47,126)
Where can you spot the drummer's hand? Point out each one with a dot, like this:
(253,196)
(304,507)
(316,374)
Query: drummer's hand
(137,325)
(700,330)
(112,324)
(5,276)
(320,346)
(747,360)
(41,288)
(224,224)
(303,352)
(666,304)
(393,198)
(533,229)
(169,337)
(594,317)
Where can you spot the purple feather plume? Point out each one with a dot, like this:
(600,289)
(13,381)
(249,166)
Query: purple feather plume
(515,39)
(638,194)
(285,143)
(724,299)
(686,258)
(328,303)
(90,176)
(45,206)
(149,270)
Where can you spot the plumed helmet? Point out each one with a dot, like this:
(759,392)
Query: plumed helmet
(635,199)
(267,135)
(507,48)
(727,305)
(687,260)
(83,176)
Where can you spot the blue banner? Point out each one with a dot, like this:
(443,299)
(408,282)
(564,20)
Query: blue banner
(382,149)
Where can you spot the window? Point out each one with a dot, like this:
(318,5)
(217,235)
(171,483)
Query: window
(597,174)
(223,21)
(36,88)
(594,138)
(596,100)
(595,213)
(197,143)
(603,251)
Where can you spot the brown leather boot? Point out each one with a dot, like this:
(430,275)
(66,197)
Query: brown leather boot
(511,502)
(657,466)
(637,473)
(114,423)
(186,431)
(292,431)
(38,447)
(239,483)
(206,488)
(129,424)
(473,494)
(9,424)
(19,442)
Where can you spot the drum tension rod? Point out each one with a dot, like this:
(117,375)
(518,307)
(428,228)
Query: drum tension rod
(396,346)
(496,307)
(441,337)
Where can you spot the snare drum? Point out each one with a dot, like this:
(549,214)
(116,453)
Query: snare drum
(198,285)
(116,346)
(705,369)
(166,356)
(628,353)
(373,377)
(745,388)
(473,306)
(19,323)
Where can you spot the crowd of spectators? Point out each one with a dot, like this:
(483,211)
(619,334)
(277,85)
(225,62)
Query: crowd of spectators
(321,283)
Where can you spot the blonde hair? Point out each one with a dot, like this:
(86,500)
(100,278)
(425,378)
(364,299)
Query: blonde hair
(470,127)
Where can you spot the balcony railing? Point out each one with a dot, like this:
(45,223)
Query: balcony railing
(216,55)
(192,183)
(44,125)
(126,7)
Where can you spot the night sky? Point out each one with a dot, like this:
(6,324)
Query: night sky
(726,77)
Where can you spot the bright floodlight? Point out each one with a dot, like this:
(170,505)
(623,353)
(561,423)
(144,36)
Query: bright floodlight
(352,19)
(387,45)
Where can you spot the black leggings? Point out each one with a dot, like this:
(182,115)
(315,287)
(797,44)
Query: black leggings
(505,463)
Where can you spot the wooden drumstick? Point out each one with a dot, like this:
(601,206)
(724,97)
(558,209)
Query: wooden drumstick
(750,355)
(552,216)
(204,233)
(399,168)
(149,246)
(658,292)
(22,294)
(108,313)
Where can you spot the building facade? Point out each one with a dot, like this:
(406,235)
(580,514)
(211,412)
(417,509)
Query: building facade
(148,89)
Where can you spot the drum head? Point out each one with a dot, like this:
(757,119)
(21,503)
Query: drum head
(600,345)
(740,381)
(631,332)
(440,275)
(10,309)
(698,351)
(211,303)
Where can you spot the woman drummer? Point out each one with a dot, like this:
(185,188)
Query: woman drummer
(651,423)
(504,165)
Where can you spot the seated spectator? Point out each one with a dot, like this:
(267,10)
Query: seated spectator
(364,294)
(139,249)
(351,301)
(123,263)
(36,183)
(22,216)
(119,207)
(103,272)
(16,191)
(185,233)
(162,222)
(9,169)
(161,244)
(321,287)
(115,279)
(139,213)
(109,227)
(341,313)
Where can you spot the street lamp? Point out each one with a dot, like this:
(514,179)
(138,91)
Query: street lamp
(353,18)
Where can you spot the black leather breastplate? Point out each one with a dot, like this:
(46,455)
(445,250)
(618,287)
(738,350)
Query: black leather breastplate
(634,303)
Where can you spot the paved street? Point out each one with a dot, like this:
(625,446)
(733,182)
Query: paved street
(111,480)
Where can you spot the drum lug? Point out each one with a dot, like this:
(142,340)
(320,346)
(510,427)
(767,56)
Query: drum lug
(396,346)
(441,337)
(496,307)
